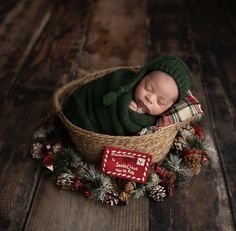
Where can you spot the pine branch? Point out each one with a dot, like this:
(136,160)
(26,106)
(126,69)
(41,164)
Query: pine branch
(183,175)
(71,157)
(173,163)
(196,143)
(65,161)
(153,180)
(40,135)
(43,134)
(99,183)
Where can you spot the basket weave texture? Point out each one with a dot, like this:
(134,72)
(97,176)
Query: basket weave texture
(90,145)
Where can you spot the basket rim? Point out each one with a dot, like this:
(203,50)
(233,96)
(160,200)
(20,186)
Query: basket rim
(71,85)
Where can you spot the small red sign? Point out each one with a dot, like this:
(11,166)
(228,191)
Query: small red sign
(126,164)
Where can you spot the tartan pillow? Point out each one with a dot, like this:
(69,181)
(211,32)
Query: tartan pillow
(189,106)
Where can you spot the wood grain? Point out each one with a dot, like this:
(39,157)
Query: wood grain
(66,210)
(28,100)
(218,75)
(117,35)
(71,210)
(188,209)
(44,44)
(18,36)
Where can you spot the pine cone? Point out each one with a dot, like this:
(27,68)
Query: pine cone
(157,193)
(37,150)
(180,142)
(193,162)
(187,130)
(40,134)
(178,145)
(195,169)
(111,198)
(171,177)
(167,176)
(124,198)
(65,180)
(57,148)
(130,187)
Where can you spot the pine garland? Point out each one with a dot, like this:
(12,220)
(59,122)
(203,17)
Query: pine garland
(141,189)
(195,142)
(99,183)
(174,163)
(72,173)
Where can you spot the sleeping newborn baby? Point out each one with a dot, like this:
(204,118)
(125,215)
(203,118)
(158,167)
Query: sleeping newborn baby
(155,93)
(123,102)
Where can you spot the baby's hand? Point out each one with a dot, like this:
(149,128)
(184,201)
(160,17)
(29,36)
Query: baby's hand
(134,107)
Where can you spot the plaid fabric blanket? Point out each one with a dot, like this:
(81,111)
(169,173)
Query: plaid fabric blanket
(185,109)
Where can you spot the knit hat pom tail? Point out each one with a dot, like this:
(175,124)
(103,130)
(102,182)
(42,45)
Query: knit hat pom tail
(109,98)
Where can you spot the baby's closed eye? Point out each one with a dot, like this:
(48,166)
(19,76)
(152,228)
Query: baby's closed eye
(162,102)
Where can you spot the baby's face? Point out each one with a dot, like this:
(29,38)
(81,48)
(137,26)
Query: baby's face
(156,92)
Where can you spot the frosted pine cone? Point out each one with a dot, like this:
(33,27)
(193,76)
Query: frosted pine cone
(57,148)
(65,180)
(187,131)
(130,187)
(157,193)
(179,144)
(111,198)
(37,150)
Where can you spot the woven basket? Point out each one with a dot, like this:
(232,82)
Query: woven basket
(91,145)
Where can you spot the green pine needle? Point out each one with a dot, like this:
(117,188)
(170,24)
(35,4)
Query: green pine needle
(196,143)
(173,163)
(65,161)
(71,157)
(98,182)
(43,134)
(183,175)
(140,192)
(152,180)
(40,135)
(199,120)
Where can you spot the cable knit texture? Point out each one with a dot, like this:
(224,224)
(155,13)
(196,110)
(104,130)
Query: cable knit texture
(102,105)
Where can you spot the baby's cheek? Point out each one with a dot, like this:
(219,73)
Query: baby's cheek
(155,110)
(159,109)
(165,109)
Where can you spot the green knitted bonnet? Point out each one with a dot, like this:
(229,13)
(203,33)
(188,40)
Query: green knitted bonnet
(172,65)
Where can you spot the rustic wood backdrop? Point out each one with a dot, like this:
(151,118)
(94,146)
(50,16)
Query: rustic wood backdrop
(44,43)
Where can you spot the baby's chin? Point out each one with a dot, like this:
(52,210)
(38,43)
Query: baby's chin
(149,112)
(154,114)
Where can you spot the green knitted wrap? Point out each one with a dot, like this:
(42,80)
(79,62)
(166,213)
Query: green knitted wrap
(102,105)
(86,107)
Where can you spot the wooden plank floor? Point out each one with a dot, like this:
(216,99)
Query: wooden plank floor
(42,45)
